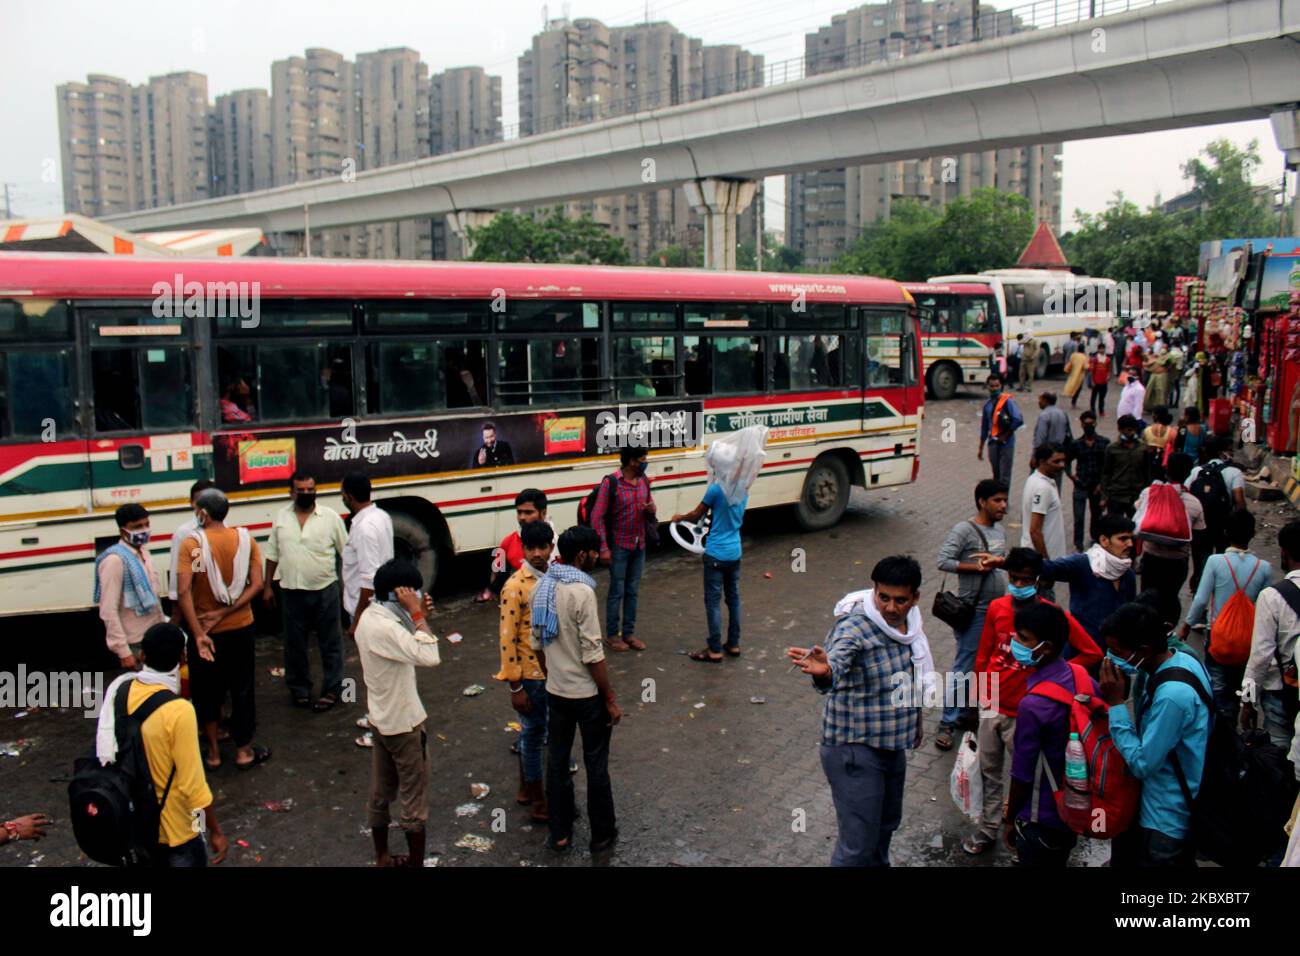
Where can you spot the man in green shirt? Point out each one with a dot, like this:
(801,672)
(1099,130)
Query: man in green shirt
(305,545)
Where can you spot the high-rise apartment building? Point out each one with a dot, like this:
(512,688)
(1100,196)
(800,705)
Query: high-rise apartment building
(97,137)
(315,117)
(170,116)
(826,210)
(581,71)
(464,112)
(239,142)
(393,93)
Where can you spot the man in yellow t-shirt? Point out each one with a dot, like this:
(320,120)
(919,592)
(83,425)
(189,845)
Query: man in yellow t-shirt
(171,746)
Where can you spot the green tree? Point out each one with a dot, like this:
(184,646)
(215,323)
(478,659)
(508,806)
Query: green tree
(985,230)
(1229,206)
(901,247)
(515,238)
(678,257)
(1134,246)
(776,257)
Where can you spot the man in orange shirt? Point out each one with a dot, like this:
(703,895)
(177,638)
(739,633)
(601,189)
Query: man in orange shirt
(216,587)
(1008,681)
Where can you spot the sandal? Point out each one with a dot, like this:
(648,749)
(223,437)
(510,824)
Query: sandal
(705,656)
(560,846)
(302,701)
(977,844)
(633,643)
(260,755)
(325,703)
(943,740)
(619,645)
(365,740)
(210,765)
(732,651)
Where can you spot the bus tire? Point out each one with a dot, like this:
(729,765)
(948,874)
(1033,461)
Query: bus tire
(1044,359)
(414,542)
(944,379)
(825,494)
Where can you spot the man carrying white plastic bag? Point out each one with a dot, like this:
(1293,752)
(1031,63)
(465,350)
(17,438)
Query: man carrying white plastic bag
(733,464)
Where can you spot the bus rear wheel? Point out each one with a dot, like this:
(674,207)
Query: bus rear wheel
(413,542)
(825,494)
(944,379)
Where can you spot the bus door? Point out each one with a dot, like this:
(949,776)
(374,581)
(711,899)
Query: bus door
(981,328)
(44,464)
(142,414)
(892,398)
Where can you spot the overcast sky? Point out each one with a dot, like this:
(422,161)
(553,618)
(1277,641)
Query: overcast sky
(233,43)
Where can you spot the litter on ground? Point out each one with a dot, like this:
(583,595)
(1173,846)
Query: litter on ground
(476,843)
(473,690)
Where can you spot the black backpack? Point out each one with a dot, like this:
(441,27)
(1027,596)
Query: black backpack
(115,810)
(1248,788)
(1211,491)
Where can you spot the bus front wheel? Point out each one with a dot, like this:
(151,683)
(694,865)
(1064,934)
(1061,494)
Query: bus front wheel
(413,542)
(825,494)
(944,379)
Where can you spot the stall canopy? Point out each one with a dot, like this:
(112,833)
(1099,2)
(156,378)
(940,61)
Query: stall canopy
(73,233)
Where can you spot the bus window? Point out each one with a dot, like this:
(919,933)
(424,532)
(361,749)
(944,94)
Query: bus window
(531,315)
(549,371)
(936,314)
(1024,298)
(36,391)
(35,320)
(633,315)
(284,383)
(979,316)
(724,365)
(727,315)
(143,388)
(426,316)
(888,349)
(645,366)
(803,362)
(424,375)
(814,315)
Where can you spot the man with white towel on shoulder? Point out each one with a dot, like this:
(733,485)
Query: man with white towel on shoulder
(875,669)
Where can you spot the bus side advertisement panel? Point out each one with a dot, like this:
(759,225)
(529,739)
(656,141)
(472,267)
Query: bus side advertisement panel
(267,457)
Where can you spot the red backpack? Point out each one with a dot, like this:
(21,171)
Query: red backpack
(1116,794)
(1163,518)
(1234,625)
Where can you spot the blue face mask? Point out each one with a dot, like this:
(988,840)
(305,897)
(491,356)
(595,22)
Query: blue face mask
(1024,655)
(1025,593)
(1129,669)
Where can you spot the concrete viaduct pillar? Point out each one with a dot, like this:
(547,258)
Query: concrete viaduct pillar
(720,201)
(459,223)
(1286,130)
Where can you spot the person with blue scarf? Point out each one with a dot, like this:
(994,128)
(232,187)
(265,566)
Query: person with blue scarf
(126,587)
(580,698)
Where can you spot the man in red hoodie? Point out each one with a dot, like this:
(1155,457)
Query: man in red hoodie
(1003,682)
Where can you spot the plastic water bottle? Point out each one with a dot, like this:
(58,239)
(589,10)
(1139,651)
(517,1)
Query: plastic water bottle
(1076,799)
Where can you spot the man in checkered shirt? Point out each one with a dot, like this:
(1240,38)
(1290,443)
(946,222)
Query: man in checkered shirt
(872,715)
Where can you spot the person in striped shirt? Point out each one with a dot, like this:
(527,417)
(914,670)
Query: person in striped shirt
(621,515)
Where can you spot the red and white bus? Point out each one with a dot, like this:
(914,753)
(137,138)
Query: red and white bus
(128,379)
(961,331)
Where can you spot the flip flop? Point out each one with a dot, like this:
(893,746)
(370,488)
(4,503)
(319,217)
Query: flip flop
(260,755)
(326,702)
(211,766)
(732,651)
(703,656)
(633,643)
(619,645)
(366,740)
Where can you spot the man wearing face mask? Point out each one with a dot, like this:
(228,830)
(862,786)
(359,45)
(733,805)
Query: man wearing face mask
(1101,579)
(126,587)
(1035,829)
(305,545)
(1165,748)
(998,424)
(1124,470)
(876,646)
(1003,681)
(1084,457)
(622,516)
